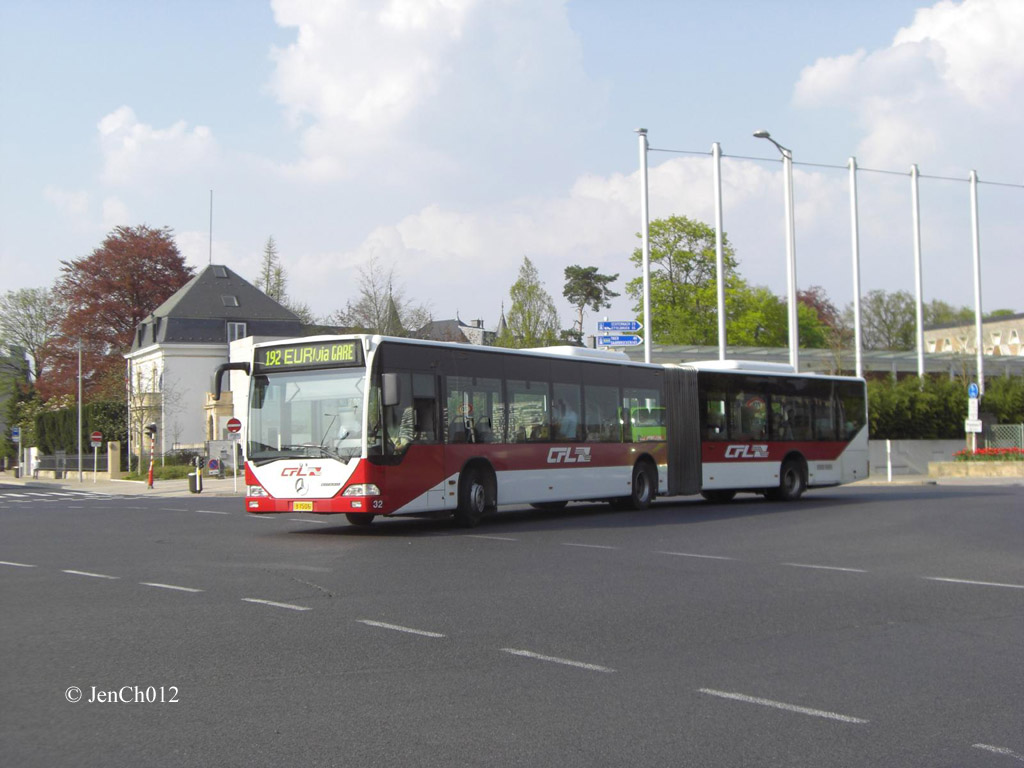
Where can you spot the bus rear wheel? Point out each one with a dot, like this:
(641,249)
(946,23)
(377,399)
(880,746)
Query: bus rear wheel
(359,518)
(718,496)
(792,482)
(645,486)
(477,492)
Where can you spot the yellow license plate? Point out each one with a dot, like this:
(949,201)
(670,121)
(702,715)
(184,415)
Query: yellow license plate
(302,506)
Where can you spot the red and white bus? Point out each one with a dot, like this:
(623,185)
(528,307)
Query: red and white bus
(367,425)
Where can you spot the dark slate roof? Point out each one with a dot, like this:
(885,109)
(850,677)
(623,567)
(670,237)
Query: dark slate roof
(200,310)
(442,330)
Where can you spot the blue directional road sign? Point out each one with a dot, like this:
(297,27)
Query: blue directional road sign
(16,433)
(631,326)
(972,390)
(631,340)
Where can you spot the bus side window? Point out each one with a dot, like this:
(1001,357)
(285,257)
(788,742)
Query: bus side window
(601,418)
(714,416)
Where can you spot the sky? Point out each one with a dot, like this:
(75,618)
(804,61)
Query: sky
(449,139)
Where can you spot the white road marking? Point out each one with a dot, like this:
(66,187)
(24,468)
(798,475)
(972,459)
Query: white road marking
(16,565)
(168,586)
(93,575)
(211,512)
(289,606)
(588,546)
(1000,751)
(557,660)
(493,538)
(825,567)
(398,628)
(975,583)
(311,522)
(702,557)
(782,705)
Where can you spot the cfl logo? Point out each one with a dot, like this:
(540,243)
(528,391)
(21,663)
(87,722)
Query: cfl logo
(746,452)
(302,471)
(579,455)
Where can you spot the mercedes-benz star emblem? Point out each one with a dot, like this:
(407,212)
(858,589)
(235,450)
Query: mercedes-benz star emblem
(300,486)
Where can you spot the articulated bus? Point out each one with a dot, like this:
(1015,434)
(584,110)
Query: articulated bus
(368,426)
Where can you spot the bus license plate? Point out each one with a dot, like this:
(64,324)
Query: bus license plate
(302,506)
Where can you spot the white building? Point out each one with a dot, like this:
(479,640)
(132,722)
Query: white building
(178,347)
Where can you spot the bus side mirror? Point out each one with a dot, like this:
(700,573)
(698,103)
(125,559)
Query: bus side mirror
(389,389)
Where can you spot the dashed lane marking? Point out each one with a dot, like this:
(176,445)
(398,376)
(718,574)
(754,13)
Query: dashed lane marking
(825,568)
(1000,751)
(89,574)
(492,538)
(700,557)
(782,705)
(17,565)
(399,628)
(973,583)
(557,660)
(276,604)
(587,546)
(169,586)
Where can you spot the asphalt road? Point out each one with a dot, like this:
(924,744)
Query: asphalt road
(857,627)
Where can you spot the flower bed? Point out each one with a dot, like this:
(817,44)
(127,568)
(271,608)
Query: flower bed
(990,454)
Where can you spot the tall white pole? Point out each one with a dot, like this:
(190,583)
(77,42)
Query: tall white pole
(918,283)
(855,244)
(794,337)
(645,235)
(716,153)
(211,227)
(976,238)
(80,477)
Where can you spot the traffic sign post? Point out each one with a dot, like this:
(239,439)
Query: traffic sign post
(96,439)
(629,326)
(631,340)
(973,424)
(235,428)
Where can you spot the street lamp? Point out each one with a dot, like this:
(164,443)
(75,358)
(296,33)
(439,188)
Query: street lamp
(787,165)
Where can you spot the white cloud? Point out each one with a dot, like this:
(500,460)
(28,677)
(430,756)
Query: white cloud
(137,153)
(115,213)
(952,76)
(72,204)
(403,83)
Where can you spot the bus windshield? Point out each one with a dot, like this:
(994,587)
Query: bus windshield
(306,414)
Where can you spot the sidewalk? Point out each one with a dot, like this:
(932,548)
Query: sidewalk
(211,486)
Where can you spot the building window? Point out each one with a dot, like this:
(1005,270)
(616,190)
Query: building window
(229,301)
(236,331)
(220,272)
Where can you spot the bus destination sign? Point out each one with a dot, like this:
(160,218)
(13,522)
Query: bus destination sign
(316,354)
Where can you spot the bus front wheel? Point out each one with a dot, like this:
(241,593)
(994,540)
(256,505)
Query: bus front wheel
(359,518)
(476,496)
(792,482)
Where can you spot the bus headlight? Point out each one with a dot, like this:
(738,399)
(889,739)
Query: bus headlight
(256,490)
(362,489)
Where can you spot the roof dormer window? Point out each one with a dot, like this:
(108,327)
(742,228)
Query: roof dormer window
(229,301)
(220,271)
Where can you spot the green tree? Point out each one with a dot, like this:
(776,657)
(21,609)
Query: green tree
(381,306)
(684,304)
(106,295)
(273,281)
(29,320)
(914,409)
(586,287)
(888,320)
(941,313)
(532,320)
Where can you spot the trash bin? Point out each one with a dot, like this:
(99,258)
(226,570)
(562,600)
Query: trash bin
(193,483)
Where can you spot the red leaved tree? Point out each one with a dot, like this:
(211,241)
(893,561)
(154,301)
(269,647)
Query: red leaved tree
(107,294)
